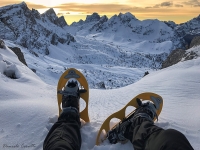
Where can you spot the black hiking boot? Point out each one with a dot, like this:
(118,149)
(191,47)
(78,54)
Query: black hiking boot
(70,95)
(70,101)
(145,110)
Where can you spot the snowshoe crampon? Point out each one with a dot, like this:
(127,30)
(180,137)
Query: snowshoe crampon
(83,89)
(105,128)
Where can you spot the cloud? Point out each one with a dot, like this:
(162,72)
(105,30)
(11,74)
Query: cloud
(35,6)
(60,14)
(116,9)
(178,5)
(156,6)
(6,2)
(198,5)
(194,3)
(30,5)
(163,4)
(90,8)
(63,14)
(148,7)
(110,8)
(166,4)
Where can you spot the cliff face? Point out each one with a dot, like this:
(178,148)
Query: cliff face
(183,55)
(195,41)
(173,58)
(16,50)
(19,54)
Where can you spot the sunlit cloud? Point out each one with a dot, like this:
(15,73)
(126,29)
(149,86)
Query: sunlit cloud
(158,9)
(145,9)
(62,14)
(29,4)
(194,3)
(167,4)
(178,5)
(36,6)
(156,6)
(90,8)
(163,4)
(6,2)
(113,8)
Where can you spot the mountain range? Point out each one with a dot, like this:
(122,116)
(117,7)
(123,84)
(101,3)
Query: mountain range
(121,41)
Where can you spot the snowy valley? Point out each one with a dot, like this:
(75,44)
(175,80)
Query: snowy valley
(113,54)
(121,42)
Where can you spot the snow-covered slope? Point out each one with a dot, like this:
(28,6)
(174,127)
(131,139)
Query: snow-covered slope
(29,107)
(21,99)
(106,56)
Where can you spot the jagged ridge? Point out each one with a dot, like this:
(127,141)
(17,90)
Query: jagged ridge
(31,29)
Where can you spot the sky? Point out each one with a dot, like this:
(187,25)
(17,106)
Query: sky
(178,11)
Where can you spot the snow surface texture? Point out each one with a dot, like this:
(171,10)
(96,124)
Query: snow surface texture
(29,106)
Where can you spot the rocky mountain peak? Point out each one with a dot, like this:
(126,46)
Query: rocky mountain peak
(62,22)
(32,30)
(22,4)
(103,18)
(191,27)
(113,17)
(198,17)
(126,17)
(16,7)
(195,20)
(99,25)
(50,13)
(35,13)
(171,24)
(80,22)
(123,18)
(94,17)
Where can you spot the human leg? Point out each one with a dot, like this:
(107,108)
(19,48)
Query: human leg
(145,135)
(65,133)
(169,139)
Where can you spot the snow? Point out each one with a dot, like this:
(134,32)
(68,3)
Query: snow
(29,105)
(100,60)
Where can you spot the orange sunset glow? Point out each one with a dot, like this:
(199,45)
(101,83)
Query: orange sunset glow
(73,10)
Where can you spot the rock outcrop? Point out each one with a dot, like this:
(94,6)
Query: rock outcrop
(19,54)
(173,58)
(195,41)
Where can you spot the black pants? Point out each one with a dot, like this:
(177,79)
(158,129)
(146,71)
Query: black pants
(146,136)
(65,135)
